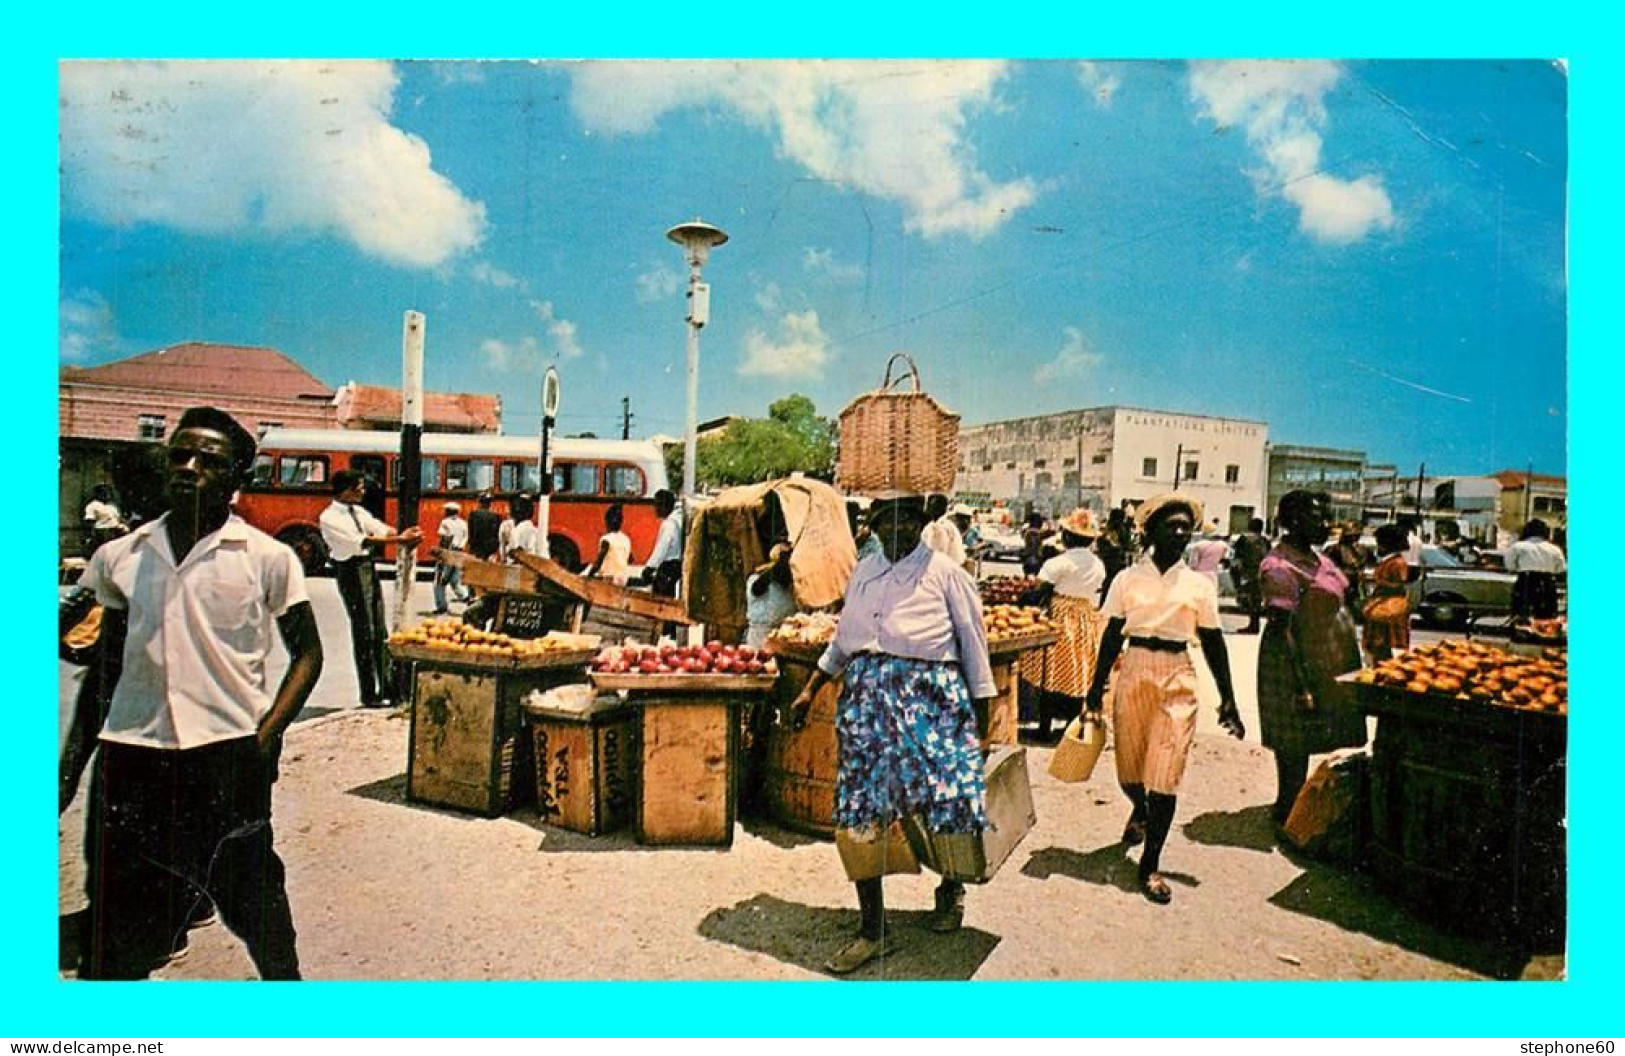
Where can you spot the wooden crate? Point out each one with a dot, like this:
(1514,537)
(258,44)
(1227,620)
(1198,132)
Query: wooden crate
(467,735)
(1467,813)
(585,766)
(688,762)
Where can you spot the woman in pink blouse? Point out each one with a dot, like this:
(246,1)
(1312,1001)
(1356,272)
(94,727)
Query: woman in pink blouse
(1308,641)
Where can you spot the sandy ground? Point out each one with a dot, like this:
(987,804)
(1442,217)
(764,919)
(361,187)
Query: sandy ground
(383,888)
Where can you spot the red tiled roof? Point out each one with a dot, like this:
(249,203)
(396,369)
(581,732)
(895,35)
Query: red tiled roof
(1514,478)
(463,411)
(200,367)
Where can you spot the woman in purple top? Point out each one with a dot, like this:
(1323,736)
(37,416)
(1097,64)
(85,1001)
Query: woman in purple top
(1308,641)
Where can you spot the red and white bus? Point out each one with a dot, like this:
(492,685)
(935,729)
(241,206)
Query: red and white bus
(293,473)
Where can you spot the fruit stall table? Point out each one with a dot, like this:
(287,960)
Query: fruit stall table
(799,784)
(1467,806)
(467,739)
(686,751)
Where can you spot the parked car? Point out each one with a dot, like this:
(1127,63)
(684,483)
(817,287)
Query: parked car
(1003,544)
(1447,593)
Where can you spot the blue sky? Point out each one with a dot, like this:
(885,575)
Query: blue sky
(1362,254)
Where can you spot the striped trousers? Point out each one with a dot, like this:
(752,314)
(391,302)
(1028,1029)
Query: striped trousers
(1154,718)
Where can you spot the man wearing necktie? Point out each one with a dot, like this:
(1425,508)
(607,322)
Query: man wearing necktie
(352,535)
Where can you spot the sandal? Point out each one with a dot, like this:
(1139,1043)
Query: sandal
(1134,832)
(1156,889)
(857,953)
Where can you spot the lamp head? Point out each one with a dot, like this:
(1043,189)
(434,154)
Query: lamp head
(697,238)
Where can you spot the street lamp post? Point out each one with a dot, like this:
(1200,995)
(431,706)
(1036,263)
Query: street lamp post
(544,489)
(697,239)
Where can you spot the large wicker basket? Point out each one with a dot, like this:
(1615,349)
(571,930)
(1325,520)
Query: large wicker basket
(897,441)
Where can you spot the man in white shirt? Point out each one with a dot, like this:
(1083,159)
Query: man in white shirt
(1538,563)
(448,573)
(351,532)
(180,811)
(664,569)
(942,534)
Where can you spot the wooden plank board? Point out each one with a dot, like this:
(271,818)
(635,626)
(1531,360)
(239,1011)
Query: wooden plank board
(447,658)
(604,594)
(710,684)
(687,773)
(997,647)
(489,575)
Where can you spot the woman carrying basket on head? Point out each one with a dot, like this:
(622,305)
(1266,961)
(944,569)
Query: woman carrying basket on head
(1070,587)
(913,650)
(1157,606)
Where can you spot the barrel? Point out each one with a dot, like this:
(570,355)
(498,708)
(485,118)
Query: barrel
(799,779)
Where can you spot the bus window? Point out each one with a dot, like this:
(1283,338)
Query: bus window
(623,480)
(508,477)
(303,471)
(575,478)
(372,468)
(428,474)
(469,474)
(264,466)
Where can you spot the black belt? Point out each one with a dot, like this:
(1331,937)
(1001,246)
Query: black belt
(1159,645)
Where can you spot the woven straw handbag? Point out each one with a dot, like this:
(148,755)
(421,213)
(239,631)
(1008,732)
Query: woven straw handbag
(897,440)
(1075,757)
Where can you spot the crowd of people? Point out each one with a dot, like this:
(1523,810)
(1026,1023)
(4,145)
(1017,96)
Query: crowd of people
(189,731)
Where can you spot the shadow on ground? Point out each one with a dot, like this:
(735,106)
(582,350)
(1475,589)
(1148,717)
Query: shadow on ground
(807,936)
(779,837)
(1110,866)
(1251,829)
(1351,902)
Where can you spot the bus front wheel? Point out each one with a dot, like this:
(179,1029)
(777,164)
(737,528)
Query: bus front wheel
(564,553)
(306,541)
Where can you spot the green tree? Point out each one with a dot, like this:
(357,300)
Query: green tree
(791,439)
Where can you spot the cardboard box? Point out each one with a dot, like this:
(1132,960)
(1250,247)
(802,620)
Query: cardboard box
(585,765)
(687,769)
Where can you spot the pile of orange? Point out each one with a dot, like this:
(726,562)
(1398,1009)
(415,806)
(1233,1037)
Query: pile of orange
(456,638)
(1479,672)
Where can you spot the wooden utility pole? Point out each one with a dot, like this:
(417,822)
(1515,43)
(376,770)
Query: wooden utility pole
(406,511)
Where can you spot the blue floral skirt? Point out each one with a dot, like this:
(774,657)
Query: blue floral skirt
(907,745)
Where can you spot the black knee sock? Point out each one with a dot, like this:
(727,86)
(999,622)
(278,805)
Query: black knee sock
(1159,820)
(1290,773)
(1136,796)
(872,909)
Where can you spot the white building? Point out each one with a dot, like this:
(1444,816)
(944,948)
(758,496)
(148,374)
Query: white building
(1100,457)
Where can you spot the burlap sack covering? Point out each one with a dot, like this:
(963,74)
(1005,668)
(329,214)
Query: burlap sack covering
(724,547)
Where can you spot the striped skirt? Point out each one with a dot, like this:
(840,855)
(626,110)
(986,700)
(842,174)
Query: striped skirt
(1154,718)
(1067,666)
(907,745)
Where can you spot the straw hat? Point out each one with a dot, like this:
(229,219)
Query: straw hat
(1157,503)
(1080,522)
(907,500)
(452,507)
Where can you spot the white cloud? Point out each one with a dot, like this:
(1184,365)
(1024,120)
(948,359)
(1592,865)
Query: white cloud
(493,276)
(1281,106)
(272,148)
(823,261)
(1103,85)
(562,331)
(658,285)
(505,355)
(893,129)
(800,350)
(530,352)
(1073,360)
(84,326)
(769,297)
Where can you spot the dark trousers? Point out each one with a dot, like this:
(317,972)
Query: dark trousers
(170,830)
(364,604)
